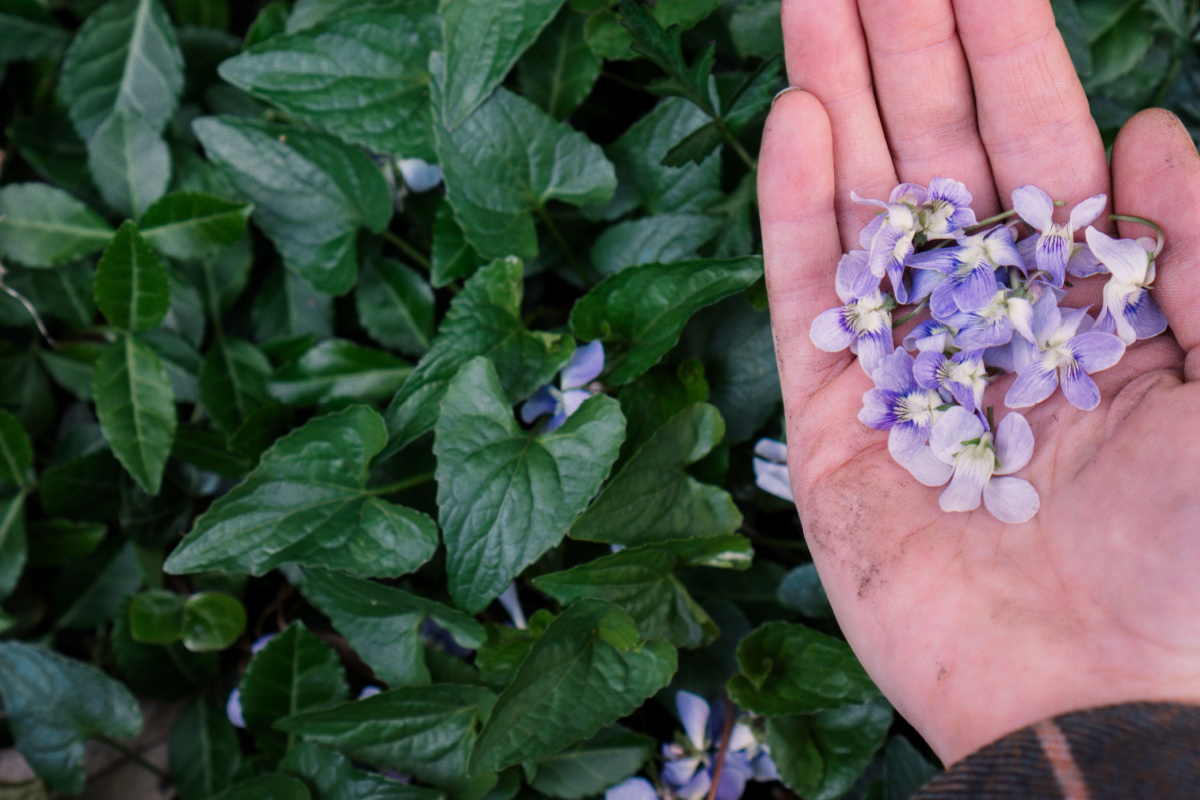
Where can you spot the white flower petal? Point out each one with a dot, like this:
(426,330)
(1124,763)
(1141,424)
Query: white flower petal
(1125,258)
(772,478)
(972,469)
(1034,206)
(956,426)
(1014,443)
(1086,212)
(584,367)
(771,450)
(1011,500)
(632,789)
(927,468)
(693,714)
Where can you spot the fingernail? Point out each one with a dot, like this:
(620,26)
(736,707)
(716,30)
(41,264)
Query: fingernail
(783,92)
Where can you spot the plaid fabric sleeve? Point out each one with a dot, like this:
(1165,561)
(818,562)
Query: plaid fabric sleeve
(1131,751)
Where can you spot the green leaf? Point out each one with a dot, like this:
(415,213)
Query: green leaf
(684,13)
(54,704)
(16,451)
(293,672)
(288,308)
(395,305)
(193,225)
(453,256)
(823,755)
(87,487)
(505,495)
(65,293)
(661,238)
(588,768)
(165,672)
(506,162)
(506,648)
(47,141)
(307,13)
(131,283)
(89,592)
(54,542)
(1120,49)
(136,407)
(204,750)
(156,617)
(642,179)
(181,361)
(261,430)
(801,590)
(41,226)
(483,320)
(1175,16)
(592,650)
(12,543)
(607,38)
(220,278)
(266,787)
(653,399)
(735,344)
(646,307)
(311,193)
(207,450)
(307,503)
(664,49)
(653,499)
(28,31)
(72,365)
(339,370)
(695,147)
(330,777)
(1070,25)
(484,38)
(362,76)
(129,162)
(383,624)
(212,621)
(559,70)
(423,731)
(124,57)
(271,21)
(642,582)
(24,389)
(233,382)
(756,28)
(906,769)
(791,669)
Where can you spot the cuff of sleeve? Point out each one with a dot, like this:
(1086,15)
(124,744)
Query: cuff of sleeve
(1134,750)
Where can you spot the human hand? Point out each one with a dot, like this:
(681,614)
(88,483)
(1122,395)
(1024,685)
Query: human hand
(971,627)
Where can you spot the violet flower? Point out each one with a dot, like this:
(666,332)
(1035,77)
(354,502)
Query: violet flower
(1129,310)
(898,404)
(1054,245)
(688,770)
(864,323)
(993,325)
(1065,351)
(930,335)
(969,269)
(770,469)
(888,238)
(961,450)
(962,374)
(562,401)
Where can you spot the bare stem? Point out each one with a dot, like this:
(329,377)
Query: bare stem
(408,250)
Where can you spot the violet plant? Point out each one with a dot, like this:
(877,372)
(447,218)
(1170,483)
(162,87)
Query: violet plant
(995,309)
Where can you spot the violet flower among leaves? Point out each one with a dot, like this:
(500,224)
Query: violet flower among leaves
(770,469)
(562,401)
(1066,352)
(1055,242)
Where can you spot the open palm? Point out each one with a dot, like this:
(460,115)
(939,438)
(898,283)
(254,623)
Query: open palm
(971,627)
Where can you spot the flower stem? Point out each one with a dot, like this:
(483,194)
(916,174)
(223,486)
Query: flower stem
(719,763)
(135,757)
(992,220)
(408,250)
(896,323)
(401,485)
(1158,231)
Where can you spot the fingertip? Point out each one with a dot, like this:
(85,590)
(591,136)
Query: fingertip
(795,175)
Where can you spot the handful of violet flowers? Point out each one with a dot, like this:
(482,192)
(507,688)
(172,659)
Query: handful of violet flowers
(994,306)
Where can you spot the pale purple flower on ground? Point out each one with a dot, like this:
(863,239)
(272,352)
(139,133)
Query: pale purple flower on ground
(688,767)
(632,789)
(1055,242)
(561,401)
(962,374)
(511,602)
(369,691)
(1065,351)
(864,323)
(233,709)
(419,176)
(1129,310)
(969,270)
(770,469)
(976,462)
(898,404)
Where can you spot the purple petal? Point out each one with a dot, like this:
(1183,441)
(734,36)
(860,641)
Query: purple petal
(895,372)
(916,194)
(1034,206)
(573,399)
(877,409)
(829,331)
(764,767)
(964,394)
(1027,247)
(1020,316)
(1083,262)
(1125,258)
(965,491)
(1086,212)
(1095,351)
(632,789)
(1046,316)
(926,367)
(977,288)
(1014,443)
(866,201)
(882,247)
(556,421)
(905,438)
(930,335)
(771,450)
(696,788)
(1144,316)
(873,348)
(584,367)
(927,468)
(732,782)
(982,333)
(1051,255)
(1012,500)
(1074,321)
(1035,382)
(895,270)
(420,176)
(943,260)
(953,192)
(1078,387)
(1000,358)
(869,230)
(854,279)
(680,771)
(1002,248)
(543,401)
(693,714)
(772,478)
(233,709)
(510,601)
(954,427)
(941,301)
(922,282)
